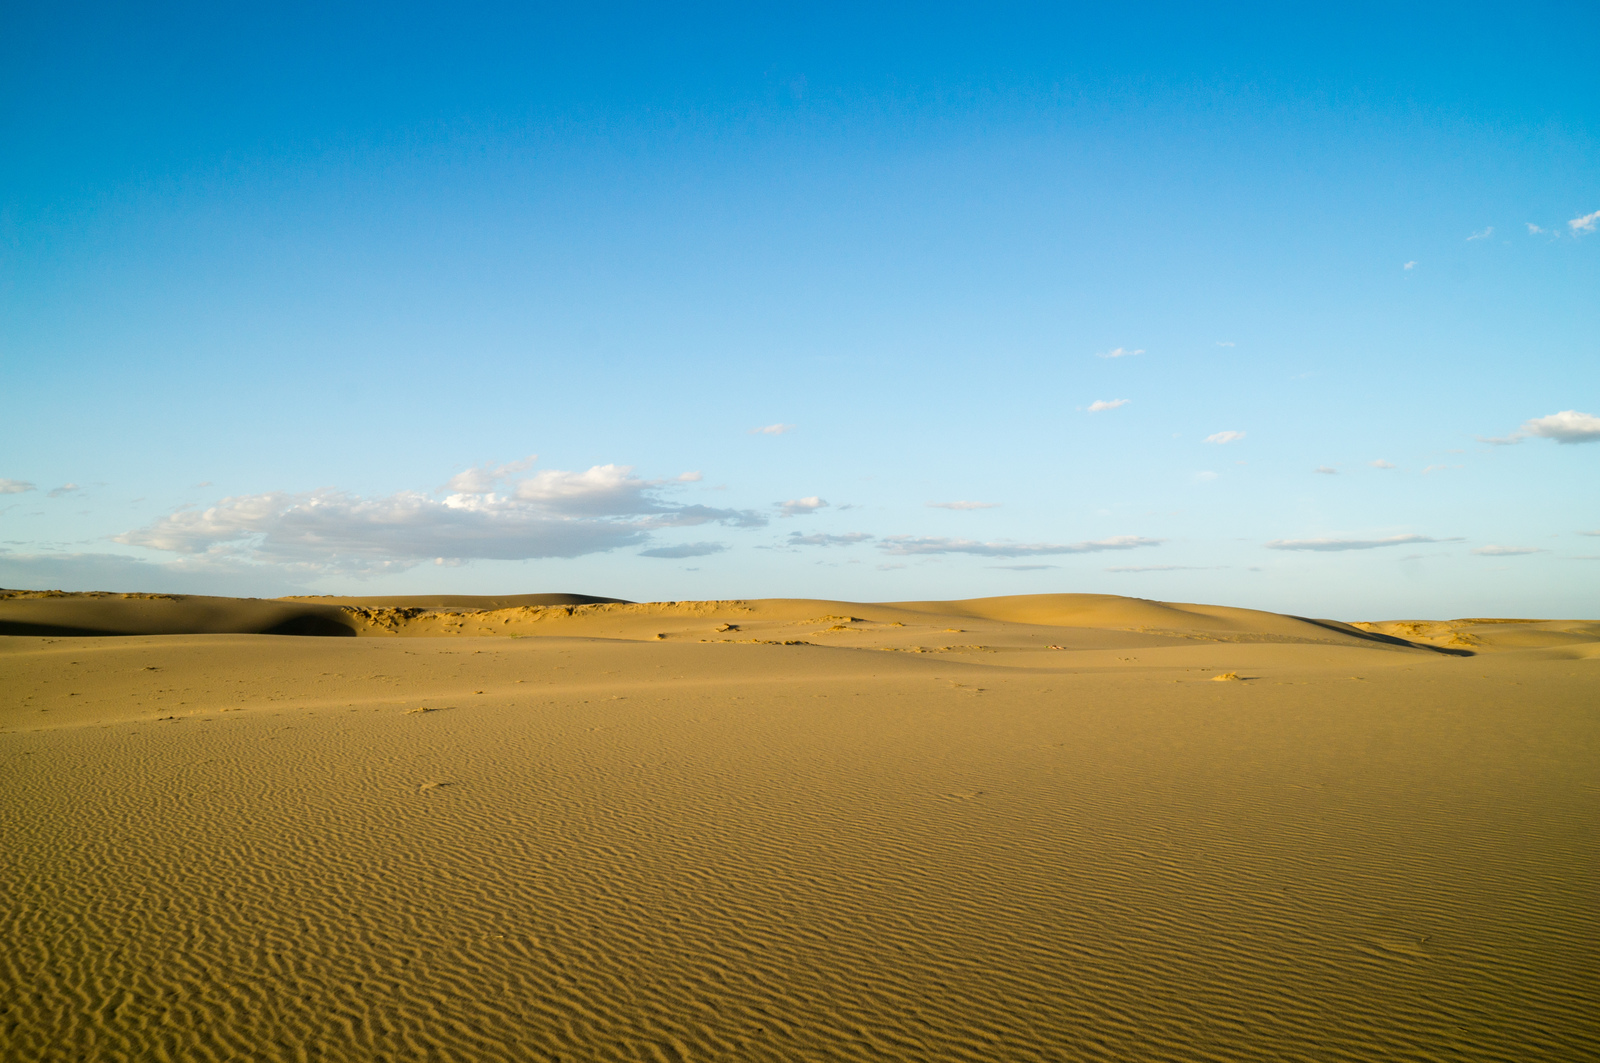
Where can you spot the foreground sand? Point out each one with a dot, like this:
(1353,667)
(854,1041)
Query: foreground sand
(1009,829)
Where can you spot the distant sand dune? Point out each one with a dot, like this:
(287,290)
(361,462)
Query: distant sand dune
(556,827)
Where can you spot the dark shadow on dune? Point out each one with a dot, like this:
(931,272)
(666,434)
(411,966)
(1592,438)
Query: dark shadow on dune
(1387,640)
(311,625)
(21,627)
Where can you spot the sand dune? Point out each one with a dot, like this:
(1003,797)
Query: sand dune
(1028,828)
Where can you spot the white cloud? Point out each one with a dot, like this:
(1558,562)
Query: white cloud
(481,479)
(1484,235)
(1502,441)
(64,489)
(772,430)
(1119,352)
(963,505)
(1224,437)
(799,507)
(912,544)
(690,478)
(1379,463)
(1326,470)
(1506,551)
(1101,404)
(1352,544)
(1568,426)
(1595,532)
(1534,230)
(14,487)
(1585,224)
(821,539)
(1410,265)
(685,550)
(550,514)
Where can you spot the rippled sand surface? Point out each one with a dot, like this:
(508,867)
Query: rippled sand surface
(1014,829)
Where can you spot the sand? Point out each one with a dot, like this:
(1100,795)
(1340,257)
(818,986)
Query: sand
(555,827)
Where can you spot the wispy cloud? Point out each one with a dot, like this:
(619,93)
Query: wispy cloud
(1595,532)
(963,505)
(1585,224)
(1482,235)
(799,507)
(1326,470)
(15,487)
(1352,544)
(493,514)
(772,430)
(1506,551)
(1224,437)
(912,544)
(1119,352)
(1024,568)
(1410,265)
(685,550)
(1534,230)
(64,489)
(1379,463)
(1439,468)
(1103,404)
(824,539)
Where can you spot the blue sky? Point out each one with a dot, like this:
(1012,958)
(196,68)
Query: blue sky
(290,300)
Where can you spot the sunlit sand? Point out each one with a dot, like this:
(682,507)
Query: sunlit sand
(1050,827)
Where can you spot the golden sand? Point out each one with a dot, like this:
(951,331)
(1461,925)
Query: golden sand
(552,827)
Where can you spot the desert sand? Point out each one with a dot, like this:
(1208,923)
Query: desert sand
(543,827)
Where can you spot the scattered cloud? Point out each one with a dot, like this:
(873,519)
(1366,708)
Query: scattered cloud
(685,550)
(490,514)
(1568,426)
(1483,235)
(1534,230)
(1585,224)
(15,487)
(772,430)
(1506,551)
(1410,265)
(799,507)
(823,539)
(1352,544)
(963,505)
(1326,470)
(1379,463)
(1224,437)
(1102,404)
(689,477)
(1156,568)
(64,489)
(912,544)
(1119,352)
(1595,532)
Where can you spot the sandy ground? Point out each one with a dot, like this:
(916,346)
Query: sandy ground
(552,827)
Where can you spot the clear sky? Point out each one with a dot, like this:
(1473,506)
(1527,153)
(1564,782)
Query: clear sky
(1268,306)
